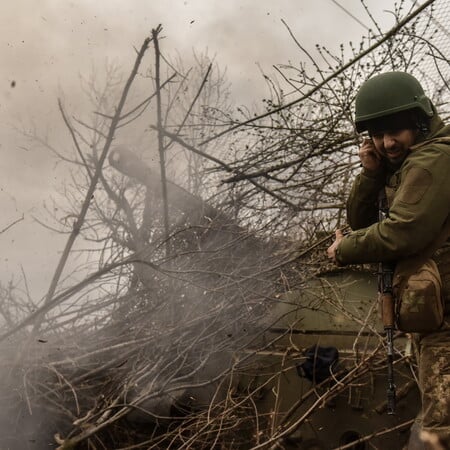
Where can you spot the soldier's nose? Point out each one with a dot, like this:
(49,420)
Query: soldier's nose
(389,142)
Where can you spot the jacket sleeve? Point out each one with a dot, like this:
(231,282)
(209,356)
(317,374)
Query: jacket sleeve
(362,203)
(417,214)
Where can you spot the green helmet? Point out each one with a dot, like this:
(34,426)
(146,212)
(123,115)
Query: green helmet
(389,93)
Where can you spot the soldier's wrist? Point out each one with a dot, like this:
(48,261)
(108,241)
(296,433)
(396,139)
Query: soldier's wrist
(373,173)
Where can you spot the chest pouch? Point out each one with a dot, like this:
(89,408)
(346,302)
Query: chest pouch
(417,286)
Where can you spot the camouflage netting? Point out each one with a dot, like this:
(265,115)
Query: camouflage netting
(433,67)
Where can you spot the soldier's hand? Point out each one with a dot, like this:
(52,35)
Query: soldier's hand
(370,158)
(331,251)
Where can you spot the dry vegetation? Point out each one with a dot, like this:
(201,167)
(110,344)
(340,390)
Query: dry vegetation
(160,344)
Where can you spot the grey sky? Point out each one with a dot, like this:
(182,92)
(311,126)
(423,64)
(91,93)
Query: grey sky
(46,44)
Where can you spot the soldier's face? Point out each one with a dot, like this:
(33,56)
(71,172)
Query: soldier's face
(394,144)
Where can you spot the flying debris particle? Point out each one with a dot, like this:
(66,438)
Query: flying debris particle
(42,341)
(13,84)
(191,22)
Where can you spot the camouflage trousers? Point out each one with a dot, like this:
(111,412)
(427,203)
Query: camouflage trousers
(434,383)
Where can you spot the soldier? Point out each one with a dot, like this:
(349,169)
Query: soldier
(407,156)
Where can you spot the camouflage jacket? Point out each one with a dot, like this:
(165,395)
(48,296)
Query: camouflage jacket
(419,206)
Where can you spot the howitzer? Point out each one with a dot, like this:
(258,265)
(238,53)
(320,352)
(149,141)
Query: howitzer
(387,306)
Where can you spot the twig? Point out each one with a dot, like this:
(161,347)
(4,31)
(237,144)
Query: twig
(74,138)
(90,192)
(12,224)
(316,88)
(228,168)
(353,444)
(161,149)
(197,95)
